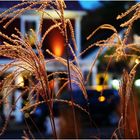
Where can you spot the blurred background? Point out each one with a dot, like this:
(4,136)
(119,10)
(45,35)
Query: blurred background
(85,17)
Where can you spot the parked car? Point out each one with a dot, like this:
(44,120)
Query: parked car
(101,106)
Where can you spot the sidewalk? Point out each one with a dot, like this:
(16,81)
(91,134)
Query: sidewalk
(15,131)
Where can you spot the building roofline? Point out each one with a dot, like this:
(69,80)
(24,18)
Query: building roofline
(70,14)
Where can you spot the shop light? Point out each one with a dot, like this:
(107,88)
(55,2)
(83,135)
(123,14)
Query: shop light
(115,83)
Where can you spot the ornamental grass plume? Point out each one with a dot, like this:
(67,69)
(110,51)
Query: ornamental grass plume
(134,13)
(123,50)
(128,126)
(129,106)
(19,49)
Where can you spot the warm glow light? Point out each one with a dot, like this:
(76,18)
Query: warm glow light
(32,37)
(58,50)
(51,84)
(101,87)
(101,99)
(57,43)
(26,115)
(137,61)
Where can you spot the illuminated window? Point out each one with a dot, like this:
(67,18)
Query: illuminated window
(54,41)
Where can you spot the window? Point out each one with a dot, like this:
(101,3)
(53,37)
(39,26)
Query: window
(29,22)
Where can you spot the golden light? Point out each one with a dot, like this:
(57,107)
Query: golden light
(51,84)
(99,88)
(26,115)
(57,50)
(137,61)
(32,37)
(101,99)
(102,78)
(57,43)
